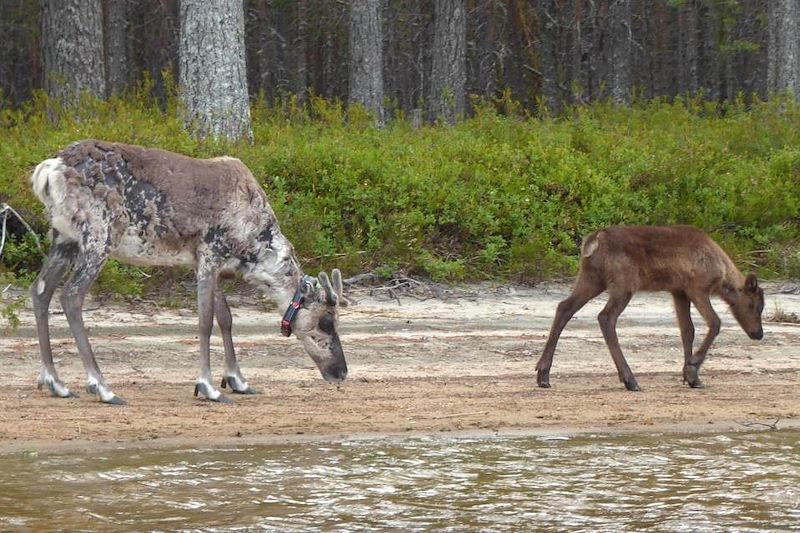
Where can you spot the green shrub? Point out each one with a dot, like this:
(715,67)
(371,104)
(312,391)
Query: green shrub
(498,196)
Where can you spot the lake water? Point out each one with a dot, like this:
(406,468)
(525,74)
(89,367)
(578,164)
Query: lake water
(727,482)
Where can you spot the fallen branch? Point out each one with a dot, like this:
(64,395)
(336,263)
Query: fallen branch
(399,286)
(454,415)
(5,209)
(772,426)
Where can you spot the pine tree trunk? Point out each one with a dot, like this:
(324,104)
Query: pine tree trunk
(482,70)
(620,35)
(447,96)
(366,57)
(689,49)
(115,21)
(549,33)
(72,47)
(783,49)
(212,70)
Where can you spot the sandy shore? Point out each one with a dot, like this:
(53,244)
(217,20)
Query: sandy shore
(463,364)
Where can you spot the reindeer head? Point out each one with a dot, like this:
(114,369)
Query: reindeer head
(747,304)
(316,321)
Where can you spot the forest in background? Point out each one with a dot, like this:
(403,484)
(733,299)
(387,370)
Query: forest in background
(543,53)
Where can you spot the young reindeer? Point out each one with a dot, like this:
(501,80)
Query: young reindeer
(152,207)
(681,260)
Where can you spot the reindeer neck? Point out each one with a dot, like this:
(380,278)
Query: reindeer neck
(275,270)
(732,278)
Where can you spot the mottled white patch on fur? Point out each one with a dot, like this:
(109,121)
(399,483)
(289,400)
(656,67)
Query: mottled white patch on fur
(40,287)
(278,273)
(134,250)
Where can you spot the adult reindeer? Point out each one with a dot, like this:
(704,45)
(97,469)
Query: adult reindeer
(681,260)
(153,207)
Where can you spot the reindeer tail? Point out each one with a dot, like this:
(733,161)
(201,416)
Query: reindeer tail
(50,186)
(591,243)
(49,183)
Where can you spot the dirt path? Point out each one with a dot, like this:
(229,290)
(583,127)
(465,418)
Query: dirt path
(463,364)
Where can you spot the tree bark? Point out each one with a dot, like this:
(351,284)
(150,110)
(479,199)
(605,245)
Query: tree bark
(549,34)
(72,47)
(783,49)
(689,49)
(366,57)
(212,71)
(482,55)
(447,95)
(115,22)
(620,35)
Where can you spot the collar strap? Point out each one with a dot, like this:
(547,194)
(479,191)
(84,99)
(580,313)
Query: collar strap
(294,307)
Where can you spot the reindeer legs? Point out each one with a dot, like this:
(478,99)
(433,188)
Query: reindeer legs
(683,312)
(61,256)
(232,376)
(581,294)
(206,287)
(691,367)
(608,324)
(87,267)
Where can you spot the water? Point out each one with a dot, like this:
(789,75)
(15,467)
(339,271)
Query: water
(728,482)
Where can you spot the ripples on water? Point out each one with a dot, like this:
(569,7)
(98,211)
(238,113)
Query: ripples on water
(732,482)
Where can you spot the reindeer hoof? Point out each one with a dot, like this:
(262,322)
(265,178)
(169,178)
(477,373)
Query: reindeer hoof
(691,377)
(209,392)
(235,385)
(631,385)
(58,390)
(543,379)
(56,394)
(221,399)
(114,400)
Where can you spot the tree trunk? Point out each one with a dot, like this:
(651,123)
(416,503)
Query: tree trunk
(72,46)
(620,36)
(689,49)
(115,21)
(407,53)
(155,29)
(449,70)
(549,38)
(482,55)
(366,57)
(212,70)
(783,49)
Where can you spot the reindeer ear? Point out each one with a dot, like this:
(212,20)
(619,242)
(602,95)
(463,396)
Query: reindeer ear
(338,287)
(751,283)
(331,297)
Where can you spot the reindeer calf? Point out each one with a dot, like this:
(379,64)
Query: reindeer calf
(146,206)
(681,260)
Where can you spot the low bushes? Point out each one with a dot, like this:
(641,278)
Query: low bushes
(495,197)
